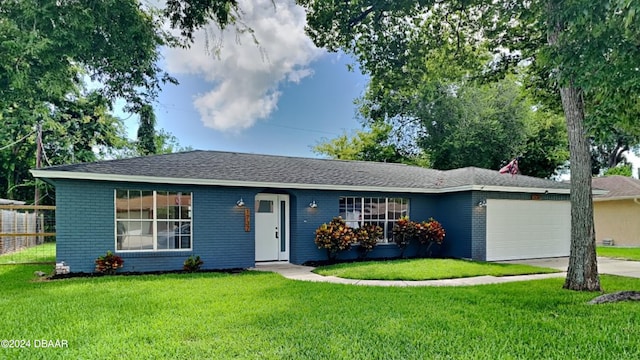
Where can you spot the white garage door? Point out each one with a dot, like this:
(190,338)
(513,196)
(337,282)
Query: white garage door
(527,229)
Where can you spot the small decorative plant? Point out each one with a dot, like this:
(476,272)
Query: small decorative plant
(192,264)
(368,236)
(109,263)
(335,236)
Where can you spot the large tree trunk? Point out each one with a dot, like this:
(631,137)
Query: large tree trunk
(582,273)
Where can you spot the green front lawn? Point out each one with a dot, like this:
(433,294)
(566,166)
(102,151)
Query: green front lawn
(36,254)
(265,316)
(425,269)
(619,252)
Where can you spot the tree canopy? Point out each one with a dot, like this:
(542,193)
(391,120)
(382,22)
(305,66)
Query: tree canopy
(48,47)
(78,130)
(465,124)
(146,131)
(589,51)
(49,51)
(377,144)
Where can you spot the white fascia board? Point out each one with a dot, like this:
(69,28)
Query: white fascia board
(52,174)
(516,189)
(531,189)
(613,198)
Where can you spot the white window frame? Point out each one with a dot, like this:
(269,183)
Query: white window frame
(361,221)
(154,223)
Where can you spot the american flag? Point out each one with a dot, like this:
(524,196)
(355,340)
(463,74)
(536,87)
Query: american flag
(510,168)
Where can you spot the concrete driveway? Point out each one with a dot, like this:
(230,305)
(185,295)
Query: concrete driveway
(605,265)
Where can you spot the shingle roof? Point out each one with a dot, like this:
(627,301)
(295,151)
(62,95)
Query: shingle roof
(241,169)
(619,187)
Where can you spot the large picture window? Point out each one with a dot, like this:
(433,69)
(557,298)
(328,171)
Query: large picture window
(384,212)
(152,220)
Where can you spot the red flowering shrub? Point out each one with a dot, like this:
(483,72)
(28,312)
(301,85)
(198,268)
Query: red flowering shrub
(426,233)
(404,231)
(335,236)
(109,263)
(434,233)
(368,236)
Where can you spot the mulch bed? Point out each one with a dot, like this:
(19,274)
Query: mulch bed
(137,273)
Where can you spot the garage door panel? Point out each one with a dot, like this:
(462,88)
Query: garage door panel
(526,229)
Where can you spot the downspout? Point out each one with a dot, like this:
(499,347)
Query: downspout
(636,200)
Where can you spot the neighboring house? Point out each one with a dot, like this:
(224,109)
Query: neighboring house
(235,209)
(617,213)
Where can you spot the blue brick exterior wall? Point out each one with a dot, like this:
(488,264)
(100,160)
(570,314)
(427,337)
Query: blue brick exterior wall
(86,228)
(304,221)
(479,225)
(453,211)
(86,225)
(479,216)
(85,218)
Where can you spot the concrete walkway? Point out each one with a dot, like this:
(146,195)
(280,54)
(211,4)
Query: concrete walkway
(303,273)
(605,266)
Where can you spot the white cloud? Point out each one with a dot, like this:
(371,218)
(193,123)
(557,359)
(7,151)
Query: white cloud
(245,78)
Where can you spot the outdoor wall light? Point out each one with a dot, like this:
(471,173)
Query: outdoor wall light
(240,203)
(482,203)
(313,204)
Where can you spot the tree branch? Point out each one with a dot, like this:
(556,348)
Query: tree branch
(356,20)
(615,297)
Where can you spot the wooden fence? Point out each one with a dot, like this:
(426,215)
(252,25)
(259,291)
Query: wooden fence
(25,226)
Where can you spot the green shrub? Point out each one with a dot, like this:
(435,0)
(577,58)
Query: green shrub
(192,264)
(335,236)
(109,263)
(621,169)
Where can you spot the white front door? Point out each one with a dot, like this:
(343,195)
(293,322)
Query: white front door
(272,227)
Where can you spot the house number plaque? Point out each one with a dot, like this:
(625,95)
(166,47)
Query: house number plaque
(247,220)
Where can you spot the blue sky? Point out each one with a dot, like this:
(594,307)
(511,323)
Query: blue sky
(319,106)
(279,97)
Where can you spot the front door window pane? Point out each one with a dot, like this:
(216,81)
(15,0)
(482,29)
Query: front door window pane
(265,206)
